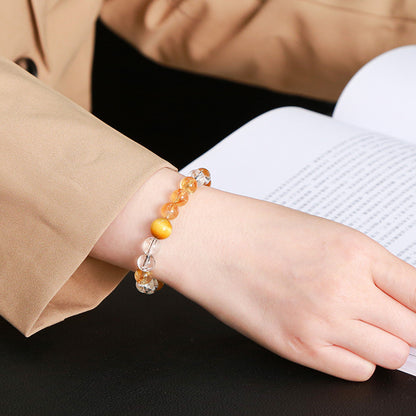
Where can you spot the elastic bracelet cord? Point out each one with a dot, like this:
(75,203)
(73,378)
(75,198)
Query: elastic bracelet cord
(161,228)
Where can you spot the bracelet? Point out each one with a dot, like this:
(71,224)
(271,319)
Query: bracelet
(161,228)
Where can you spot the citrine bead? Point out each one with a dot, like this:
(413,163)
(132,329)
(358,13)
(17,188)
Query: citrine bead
(161,228)
(179,197)
(189,184)
(170,211)
(142,276)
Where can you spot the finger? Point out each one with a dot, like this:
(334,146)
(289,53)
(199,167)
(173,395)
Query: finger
(372,344)
(398,279)
(342,363)
(389,315)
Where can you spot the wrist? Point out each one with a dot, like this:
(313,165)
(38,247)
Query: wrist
(121,242)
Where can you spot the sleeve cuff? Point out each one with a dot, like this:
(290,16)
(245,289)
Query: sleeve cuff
(64,177)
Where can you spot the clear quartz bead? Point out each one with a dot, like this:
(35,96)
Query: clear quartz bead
(146,262)
(147,286)
(151,245)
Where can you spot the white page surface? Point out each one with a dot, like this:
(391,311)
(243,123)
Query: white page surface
(287,139)
(382,95)
(310,162)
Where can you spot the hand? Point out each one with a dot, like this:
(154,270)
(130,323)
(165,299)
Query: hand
(309,289)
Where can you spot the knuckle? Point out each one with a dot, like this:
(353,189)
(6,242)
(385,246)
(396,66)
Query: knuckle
(301,343)
(355,249)
(352,251)
(297,345)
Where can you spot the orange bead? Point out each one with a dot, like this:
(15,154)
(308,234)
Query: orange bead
(207,174)
(161,228)
(160,285)
(179,197)
(142,277)
(170,211)
(189,184)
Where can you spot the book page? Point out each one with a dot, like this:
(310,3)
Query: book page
(382,95)
(312,163)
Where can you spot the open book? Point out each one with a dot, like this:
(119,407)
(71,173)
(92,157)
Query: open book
(357,167)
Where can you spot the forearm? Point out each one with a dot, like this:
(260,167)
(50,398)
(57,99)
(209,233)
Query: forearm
(64,177)
(304,47)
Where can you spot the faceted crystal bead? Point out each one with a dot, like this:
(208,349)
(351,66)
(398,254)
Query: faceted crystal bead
(189,184)
(161,228)
(207,176)
(179,197)
(151,245)
(146,263)
(170,211)
(198,176)
(147,285)
(202,176)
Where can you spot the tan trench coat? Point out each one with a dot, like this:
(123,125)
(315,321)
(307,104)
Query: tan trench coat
(64,175)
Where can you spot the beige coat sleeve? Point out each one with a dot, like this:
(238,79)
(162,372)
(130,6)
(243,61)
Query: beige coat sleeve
(307,47)
(64,176)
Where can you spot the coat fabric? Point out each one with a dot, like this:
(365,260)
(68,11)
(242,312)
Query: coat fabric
(64,175)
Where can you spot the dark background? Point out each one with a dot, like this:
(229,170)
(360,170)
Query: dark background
(163,354)
(176,114)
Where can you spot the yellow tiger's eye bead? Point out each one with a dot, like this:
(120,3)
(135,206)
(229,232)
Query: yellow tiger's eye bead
(161,228)
(189,184)
(179,197)
(170,211)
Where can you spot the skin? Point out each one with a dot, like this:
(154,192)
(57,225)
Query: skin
(309,289)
